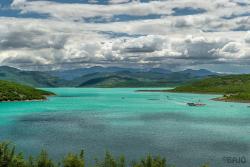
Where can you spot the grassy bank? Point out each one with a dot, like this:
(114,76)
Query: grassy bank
(10,91)
(232,87)
(10,158)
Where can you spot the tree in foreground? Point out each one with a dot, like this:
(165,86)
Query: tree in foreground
(10,158)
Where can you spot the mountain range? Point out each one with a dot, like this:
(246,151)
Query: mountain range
(103,77)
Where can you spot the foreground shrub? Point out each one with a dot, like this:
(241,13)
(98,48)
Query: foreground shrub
(74,160)
(10,158)
(150,161)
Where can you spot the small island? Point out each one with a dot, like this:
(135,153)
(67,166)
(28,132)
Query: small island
(10,91)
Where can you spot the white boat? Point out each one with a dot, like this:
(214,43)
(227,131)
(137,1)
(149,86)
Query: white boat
(196,104)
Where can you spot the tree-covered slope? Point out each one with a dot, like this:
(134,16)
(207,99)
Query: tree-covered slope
(10,91)
(234,87)
(31,78)
(102,77)
(121,81)
(133,79)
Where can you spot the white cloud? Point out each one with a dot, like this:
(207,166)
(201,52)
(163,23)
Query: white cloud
(18,2)
(231,47)
(183,40)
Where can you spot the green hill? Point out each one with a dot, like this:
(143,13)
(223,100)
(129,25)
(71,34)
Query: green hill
(112,81)
(133,79)
(102,77)
(233,87)
(31,78)
(10,91)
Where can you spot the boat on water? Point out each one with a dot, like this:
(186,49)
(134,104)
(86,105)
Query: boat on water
(198,104)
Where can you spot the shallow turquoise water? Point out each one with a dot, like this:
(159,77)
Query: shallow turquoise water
(127,122)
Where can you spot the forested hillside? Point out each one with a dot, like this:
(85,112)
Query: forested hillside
(10,91)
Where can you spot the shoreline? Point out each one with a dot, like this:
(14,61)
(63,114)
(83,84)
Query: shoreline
(169,91)
(230,100)
(151,90)
(33,100)
(221,99)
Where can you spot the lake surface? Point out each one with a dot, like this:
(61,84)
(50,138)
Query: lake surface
(131,123)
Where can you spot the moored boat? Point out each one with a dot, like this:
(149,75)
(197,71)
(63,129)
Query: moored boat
(196,104)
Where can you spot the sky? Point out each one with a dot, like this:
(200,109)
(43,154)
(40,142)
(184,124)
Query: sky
(171,34)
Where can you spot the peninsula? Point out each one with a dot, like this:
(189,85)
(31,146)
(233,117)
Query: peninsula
(233,88)
(10,91)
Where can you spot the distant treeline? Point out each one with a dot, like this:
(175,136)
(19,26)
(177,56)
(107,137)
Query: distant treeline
(10,158)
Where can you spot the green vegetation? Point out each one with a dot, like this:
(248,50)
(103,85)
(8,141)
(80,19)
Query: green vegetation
(31,78)
(102,77)
(10,91)
(10,158)
(114,81)
(234,87)
(132,79)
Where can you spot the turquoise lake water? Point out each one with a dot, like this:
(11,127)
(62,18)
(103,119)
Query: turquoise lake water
(131,123)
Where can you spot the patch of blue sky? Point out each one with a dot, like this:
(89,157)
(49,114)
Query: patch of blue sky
(5,3)
(112,34)
(242,2)
(100,2)
(145,1)
(79,1)
(121,18)
(187,11)
(242,28)
(7,12)
(236,15)
(125,17)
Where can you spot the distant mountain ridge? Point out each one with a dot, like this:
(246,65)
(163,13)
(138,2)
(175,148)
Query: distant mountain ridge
(103,77)
(31,78)
(198,73)
(75,73)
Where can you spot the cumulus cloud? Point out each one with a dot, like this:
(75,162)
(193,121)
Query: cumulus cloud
(18,2)
(145,44)
(124,33)
(43,43)
(231,47)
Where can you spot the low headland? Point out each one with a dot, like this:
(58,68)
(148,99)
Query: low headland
(233,88)
(10,91)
